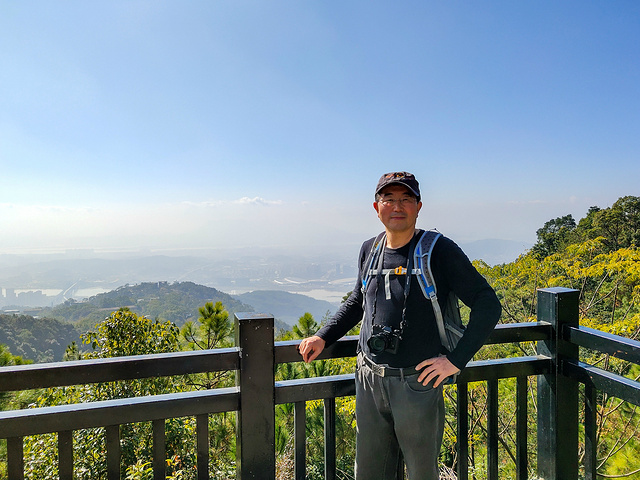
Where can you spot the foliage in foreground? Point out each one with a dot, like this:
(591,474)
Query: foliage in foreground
(126,333)
(599,257)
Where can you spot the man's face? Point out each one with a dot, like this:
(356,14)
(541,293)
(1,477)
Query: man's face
(397,208)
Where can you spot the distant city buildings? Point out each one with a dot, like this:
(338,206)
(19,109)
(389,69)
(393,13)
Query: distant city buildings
(9,298)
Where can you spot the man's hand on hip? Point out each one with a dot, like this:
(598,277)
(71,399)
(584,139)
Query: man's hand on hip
(437,369)
(311,347)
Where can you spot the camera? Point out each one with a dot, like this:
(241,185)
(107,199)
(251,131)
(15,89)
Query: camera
(384,339)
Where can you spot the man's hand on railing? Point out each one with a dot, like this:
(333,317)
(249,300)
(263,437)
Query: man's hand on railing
(438,368)
(311,347)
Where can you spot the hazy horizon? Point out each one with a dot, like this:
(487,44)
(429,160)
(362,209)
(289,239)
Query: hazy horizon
(48,279)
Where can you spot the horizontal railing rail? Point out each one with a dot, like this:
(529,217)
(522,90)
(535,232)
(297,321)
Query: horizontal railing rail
(616,385)
(35,421)
(85,372)
(620,347)
(603,342)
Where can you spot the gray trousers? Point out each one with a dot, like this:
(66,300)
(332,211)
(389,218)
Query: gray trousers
(396,414)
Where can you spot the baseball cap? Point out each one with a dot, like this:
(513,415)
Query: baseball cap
(400,178)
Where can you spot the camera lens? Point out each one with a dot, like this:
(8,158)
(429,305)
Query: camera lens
(377,344)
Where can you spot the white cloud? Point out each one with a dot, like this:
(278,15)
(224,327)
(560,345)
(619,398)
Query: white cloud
(239,201)
(258,201)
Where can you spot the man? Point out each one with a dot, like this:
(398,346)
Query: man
(399,401)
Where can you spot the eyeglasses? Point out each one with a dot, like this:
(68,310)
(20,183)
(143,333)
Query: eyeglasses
(403,202)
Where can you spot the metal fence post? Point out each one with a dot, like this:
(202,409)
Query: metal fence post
(557,395)
(255,432)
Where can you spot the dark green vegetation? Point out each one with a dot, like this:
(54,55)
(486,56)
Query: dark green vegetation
(37,339)
(617,227)
(598,255)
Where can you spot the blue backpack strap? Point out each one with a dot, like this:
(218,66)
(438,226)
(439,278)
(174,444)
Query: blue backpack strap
(376,248)
(422,261)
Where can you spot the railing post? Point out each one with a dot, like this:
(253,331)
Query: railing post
(15,458)
(255,432)
(557,395)
(462,400)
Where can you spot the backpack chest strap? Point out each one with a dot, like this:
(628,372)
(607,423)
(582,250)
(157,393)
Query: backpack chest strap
(429,290)
(394,271)
(386,273)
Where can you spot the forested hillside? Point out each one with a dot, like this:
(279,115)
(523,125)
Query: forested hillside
(36,339)
(45,338)
(176,302)
(599,256)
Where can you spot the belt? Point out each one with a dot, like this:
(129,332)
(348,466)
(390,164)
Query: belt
(383,371)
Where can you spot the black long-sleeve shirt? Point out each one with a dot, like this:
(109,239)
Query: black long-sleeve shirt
(451,270)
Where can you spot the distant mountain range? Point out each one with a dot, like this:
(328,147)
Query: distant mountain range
(495,251)
(177,302)
(285,306)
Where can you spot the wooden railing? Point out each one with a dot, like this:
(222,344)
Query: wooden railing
(556,366)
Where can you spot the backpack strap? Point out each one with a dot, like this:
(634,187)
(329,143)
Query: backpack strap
(375,262)
(374,253)
(422,261)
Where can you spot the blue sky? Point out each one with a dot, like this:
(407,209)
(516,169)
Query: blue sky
(217,124)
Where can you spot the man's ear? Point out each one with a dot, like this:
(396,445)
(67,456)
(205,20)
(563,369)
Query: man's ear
(376,207)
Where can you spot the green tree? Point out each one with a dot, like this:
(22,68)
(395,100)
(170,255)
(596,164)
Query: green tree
(587,228)
(123,333)
(305,327)
(126,333)
(8,359)
(619,225)
(553,236)
(215,329)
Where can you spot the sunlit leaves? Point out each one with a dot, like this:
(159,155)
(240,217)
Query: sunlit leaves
(126,333)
